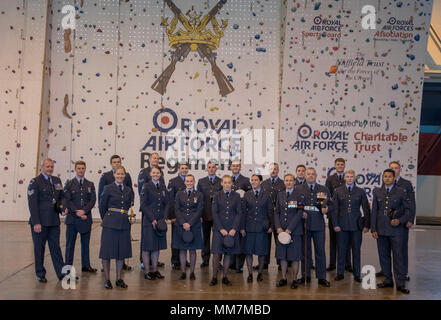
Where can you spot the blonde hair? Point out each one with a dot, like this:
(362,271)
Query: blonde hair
(120,167)
(227,177)
(350,171)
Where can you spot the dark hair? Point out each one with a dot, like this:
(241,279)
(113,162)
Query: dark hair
(156,167)
(395,162)
(301,166)
(389,170)
(115,156)
(183,164)
(79,163)
(258,176)
(189,175)
(340,160)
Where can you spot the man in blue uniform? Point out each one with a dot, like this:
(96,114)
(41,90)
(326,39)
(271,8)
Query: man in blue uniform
(208,185)
(333,182)
(174,185)
(79,199)
(349,223)
(144,177)
(311,194)
(391,210)
(410,191)
(240,182)
(45,196)
(273,185)
(108,178)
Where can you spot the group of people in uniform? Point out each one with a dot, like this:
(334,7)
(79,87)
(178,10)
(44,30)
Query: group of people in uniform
(232,218)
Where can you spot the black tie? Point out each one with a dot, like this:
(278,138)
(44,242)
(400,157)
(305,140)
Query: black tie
(340,177)
(227,193)
(120,188)
(312,188)
(189,193)
(349,189)
(287,195)
(387,192)
(234,179)
(81,182)
(257,194)
(273,180)
(211,180)
(157,186)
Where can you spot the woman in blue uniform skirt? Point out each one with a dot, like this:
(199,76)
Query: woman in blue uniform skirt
(288,218)
(115,201)
(154,207)
(187,234)
(258,214)
(227,215)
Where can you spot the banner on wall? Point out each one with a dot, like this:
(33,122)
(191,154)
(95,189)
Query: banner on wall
(353,91)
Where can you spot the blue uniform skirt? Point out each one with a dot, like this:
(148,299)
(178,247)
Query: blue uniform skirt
(151,240)
(217,246)
(256,243)
(115,244)
(291,251)
(178,243)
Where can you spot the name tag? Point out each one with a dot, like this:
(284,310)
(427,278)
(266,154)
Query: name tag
(311,208)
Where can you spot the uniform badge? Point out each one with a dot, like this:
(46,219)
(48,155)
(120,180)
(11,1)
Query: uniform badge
(163,193)
(30,192)
(195,199)
(89,189)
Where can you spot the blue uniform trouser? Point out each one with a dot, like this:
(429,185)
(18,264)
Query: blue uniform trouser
(174,252)
(406,250)
(319,250)
(51,235)
(71,238)
(346,240)
(386,244)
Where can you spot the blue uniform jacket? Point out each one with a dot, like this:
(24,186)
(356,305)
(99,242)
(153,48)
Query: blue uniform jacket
(112,197)
(41,200)
(258,213)
(189,209)
(154,203)
(227,211)
(315,220)
(174,185)
(287,216)
(208,189)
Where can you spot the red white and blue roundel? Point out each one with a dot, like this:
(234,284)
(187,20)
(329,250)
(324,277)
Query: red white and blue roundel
(165,120)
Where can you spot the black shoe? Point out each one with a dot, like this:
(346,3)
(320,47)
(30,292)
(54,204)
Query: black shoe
(265,267)
(183,276)
(149,276)
(226,281)
(407,278)
(259,277)
(403,289)
(312,267)
(282,283)
(108,285)
(358,279)
(187,264)
(158,275)
(240,270)
(160,264)
(213,282)
(204,264)
(349,269)
(176,266)
(192,276)
(330,268)
(126,267)
(294,284)
(89,269)
(383,284)
(379,274)
(250,278)
(324,282)
(42,279)
(120,283)
(339,277)
(302,280)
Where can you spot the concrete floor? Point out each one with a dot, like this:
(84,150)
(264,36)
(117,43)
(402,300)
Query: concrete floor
(18,281)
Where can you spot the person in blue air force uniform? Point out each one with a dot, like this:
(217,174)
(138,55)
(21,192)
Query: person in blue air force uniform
(273,185)
(257,225)
(144,177)
(227,216)
(187,235)
(174,186)
(407,185)
(316,199)
(45,195)
(79,198)
(208,186)
(154,207)
(240,182)
(391,210)
(349,223)
(115,202)
(288,218)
